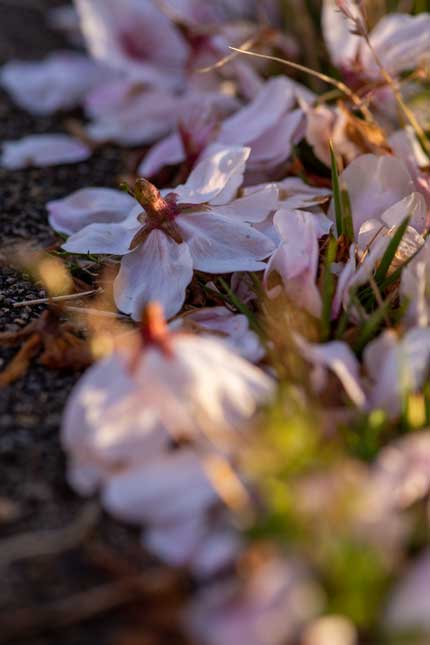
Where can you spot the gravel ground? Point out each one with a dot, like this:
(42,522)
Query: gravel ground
(62,587)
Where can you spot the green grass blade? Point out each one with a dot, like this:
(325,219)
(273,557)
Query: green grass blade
(240,306)
(347,225)
(390,251)
(328,288)
(336,192)
(372,325)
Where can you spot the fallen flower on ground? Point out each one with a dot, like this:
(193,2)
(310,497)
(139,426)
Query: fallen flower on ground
(199,225)
(43,150)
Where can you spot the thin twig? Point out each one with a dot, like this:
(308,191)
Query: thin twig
(70,296)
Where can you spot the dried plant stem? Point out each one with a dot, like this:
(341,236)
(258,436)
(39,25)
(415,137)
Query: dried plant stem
(70,296)
(244,47)
(327,79)
(97,312)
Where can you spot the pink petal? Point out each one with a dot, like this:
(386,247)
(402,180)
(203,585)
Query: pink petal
(58,82)
(296,259)
(136,38)
(220,244)
(341,43)
(104,238)
(159,269)
(140,117)
(173,488)
(87,206)
(264,112)
(103,427)
(168,151)
(374,183)
(254,207)
(337,357)
(400,41)
(274,146)
(413,205)
(43,150)
(217,176)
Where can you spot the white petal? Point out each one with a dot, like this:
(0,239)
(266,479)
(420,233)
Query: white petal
(218,549)
(219,244)
(175,543)
(58,82)
(217,176)
(296,259)
(104,238)
(43,150)
(265,111)
(136,38)
(401,42)
(413,205)
(233,328)
(87,206)
(173,488)
(338,357)
(254,207)
(160,269)
(141,117)
(220,399)
(274,146)
(342,44)
(168,151)
(105,426)
(374,183)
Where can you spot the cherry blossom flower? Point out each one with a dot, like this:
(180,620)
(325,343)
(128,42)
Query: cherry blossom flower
(59,82)
(128,407)
(86,206)
(198,226)
(135,38)
(127,411)
(396,368)
(296,260)
(43,150)
(270,125)
(230,327)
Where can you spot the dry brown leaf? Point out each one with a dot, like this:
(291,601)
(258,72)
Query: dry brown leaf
(20,362)
(369,137)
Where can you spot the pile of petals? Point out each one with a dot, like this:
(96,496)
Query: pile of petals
(266,421)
